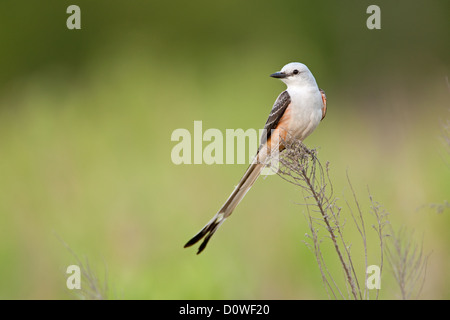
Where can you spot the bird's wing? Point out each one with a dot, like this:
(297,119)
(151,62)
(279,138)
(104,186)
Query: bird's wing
(275,115)
(324,100)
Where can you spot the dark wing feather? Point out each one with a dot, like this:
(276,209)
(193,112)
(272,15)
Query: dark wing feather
(275,115)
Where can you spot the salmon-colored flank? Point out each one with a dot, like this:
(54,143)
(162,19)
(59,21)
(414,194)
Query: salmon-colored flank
(324,100)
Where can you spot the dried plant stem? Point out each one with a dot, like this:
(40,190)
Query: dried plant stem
(300,166)
(331,232)
(408,263)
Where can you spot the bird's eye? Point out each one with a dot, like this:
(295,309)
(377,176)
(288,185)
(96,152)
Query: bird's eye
(295,71)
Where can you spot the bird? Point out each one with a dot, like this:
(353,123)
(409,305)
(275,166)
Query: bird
(295,115)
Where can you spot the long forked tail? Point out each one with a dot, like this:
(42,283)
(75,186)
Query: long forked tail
(250,176)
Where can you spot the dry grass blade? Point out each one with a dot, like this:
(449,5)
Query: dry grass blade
(91,286)
(408,263)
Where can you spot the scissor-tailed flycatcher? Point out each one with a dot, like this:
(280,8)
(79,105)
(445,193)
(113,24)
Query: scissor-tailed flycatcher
(295,114)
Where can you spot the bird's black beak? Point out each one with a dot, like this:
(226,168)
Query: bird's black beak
(279,75)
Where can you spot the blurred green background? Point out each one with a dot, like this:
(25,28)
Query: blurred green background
(86,118)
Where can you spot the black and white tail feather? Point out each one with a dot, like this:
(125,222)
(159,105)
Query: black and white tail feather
(262,158)
(249,178)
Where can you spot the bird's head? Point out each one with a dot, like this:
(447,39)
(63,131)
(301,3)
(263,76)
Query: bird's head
(295,73)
